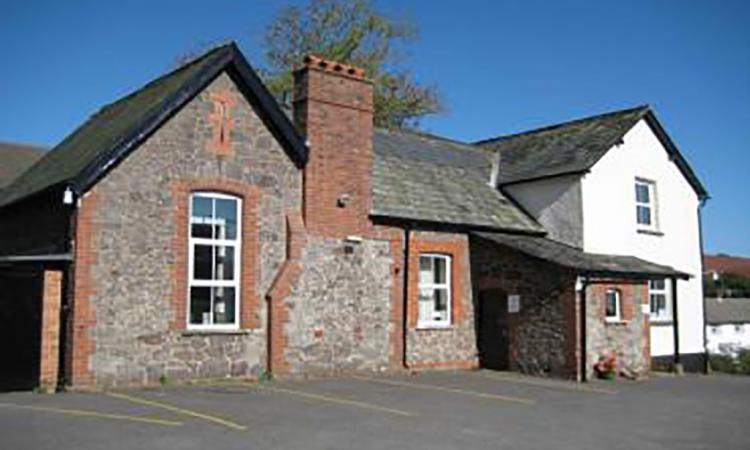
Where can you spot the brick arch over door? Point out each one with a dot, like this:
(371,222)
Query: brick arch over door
(251,197)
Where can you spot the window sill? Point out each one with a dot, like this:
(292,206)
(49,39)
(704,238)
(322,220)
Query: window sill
(237,332)
(431,327)
(650,232)
(617,322)
(660,322)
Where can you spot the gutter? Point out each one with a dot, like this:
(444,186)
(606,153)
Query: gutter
(706,367)
(59,257)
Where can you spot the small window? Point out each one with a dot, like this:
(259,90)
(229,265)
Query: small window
(739,329)
(645,204)
(214,264)
(659,300)
(434,291)
(715,330)
(612,305)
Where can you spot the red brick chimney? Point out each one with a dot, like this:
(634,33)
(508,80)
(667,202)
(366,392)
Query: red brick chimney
(333,107)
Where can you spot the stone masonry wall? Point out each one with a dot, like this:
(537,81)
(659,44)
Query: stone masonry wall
(543,336)
(628,338)
(339,309)
(136,246)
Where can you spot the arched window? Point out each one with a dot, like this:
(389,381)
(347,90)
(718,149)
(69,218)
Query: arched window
(612,307)
(214,261)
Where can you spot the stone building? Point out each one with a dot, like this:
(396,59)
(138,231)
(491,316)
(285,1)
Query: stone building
(193,229)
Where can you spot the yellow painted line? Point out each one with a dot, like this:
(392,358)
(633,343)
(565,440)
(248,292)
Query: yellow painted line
(548,384)
(338,400)
(96,414)
(525,401)
(178,410)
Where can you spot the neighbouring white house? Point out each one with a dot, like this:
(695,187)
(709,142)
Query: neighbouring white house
(727,325)
(617,184)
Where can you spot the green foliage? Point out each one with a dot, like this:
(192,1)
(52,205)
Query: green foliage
(743,362)
(728,285)
(265,377)
(351,32)
(164,380)
(730,364)
(722,363)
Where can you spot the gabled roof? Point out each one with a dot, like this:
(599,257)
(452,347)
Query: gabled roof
(426,178)
(108,136)
(584,263)
(727,310)
(15,159)
(574,147)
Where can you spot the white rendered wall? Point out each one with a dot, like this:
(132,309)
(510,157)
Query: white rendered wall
(728,334)
(609,218)
(555,203)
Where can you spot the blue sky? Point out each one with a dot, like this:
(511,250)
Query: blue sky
(502,67)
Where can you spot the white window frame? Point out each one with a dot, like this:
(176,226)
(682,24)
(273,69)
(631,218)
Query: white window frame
(234,283)
(652,204)
(424,323)
(618,305)
(666,315)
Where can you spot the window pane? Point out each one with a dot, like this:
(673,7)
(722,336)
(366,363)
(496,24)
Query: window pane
(224,261)
(200,306)
(201,217)
(656,285)
(202,262)
(226,219)
(425,269)
(611,304)
(440,270)
(223,305)
(658,304)
(441,300)
(426,304)
(642,193)
(644,215)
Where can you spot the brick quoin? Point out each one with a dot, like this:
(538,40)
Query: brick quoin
(50,345)
(281,287)
(84,318)
(251,197)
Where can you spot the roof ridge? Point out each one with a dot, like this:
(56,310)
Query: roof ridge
(430,136)
(644,108)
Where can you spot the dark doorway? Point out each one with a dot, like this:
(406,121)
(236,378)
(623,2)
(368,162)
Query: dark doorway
(493,329)
(20,329)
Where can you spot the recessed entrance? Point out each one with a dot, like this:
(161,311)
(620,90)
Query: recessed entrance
(493,329)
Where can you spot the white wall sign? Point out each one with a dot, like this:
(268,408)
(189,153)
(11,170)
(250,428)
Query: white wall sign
(514,303)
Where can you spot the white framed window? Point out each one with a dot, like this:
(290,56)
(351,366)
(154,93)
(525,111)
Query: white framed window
(659,300)
(214,249)
(434,291)
(612,306)
(645,204)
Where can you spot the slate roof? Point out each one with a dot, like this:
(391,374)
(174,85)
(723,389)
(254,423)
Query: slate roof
(727,310)
(575,258)
(575,146)
(15,159)
(107,137)
(431,179)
